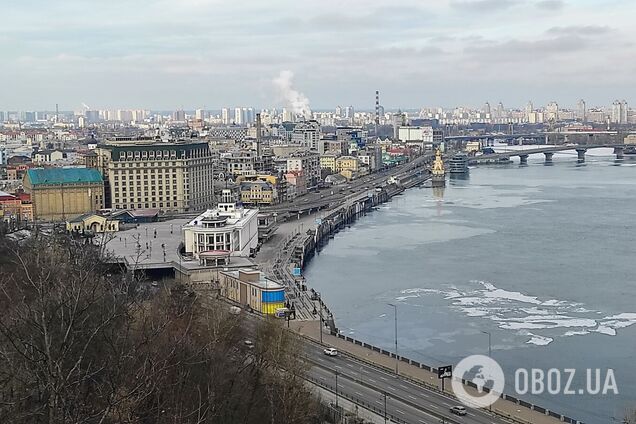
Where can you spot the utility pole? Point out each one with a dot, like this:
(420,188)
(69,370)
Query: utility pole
(397,361)
(489,343)
(320,313)
(489,355)
(337,392)
(384,407)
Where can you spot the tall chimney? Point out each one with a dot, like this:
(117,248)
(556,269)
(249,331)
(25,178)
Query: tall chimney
(377,111)
(258,135)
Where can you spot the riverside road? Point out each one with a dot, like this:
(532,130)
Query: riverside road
(407,401)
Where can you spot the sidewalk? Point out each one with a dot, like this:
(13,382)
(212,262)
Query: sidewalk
(504,408)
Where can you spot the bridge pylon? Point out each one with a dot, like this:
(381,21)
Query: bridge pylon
(548,157)
(581,154)
(619,152)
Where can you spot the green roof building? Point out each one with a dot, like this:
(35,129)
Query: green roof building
(59,194)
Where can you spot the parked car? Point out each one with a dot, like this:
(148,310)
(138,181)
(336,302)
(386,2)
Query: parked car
(458,410)
(249,344)
(330,351)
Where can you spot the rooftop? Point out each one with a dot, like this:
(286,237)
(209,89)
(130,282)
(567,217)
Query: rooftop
(48,176)
(228,213)
(263,282)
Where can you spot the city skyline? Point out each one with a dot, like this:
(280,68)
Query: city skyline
(164,54)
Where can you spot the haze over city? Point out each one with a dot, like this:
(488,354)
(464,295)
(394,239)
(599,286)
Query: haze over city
(205,53)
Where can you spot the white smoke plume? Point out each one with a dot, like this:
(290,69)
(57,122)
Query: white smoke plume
(293,99)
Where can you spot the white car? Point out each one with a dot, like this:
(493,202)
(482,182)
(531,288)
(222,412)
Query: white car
(330,351)
(458,410)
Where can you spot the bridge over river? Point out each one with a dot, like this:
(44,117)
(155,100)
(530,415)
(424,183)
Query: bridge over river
(548,151)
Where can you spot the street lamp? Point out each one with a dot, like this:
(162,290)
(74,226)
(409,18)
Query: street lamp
(336,389)
(489,343)
(396,337)
(384,407)
(489,355)
(320,313)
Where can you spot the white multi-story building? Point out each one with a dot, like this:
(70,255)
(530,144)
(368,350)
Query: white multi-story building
(225,116)
(239,118)
(308,163)
(619,112)
(417,135)
(307,134)
(227,229)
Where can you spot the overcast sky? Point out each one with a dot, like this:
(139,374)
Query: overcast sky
(166,54)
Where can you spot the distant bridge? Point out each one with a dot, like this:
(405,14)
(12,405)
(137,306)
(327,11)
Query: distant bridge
(548,152)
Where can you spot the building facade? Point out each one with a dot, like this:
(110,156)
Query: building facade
(308,163)
(307,134)
(259,193)
(227,228)
(58,194)
(252,289)
(144,173)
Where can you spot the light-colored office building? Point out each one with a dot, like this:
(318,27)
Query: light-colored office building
(307,134)
(144,173)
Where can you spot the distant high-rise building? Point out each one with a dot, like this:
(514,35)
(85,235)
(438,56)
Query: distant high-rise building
(486,108)
(200,114)
(92,116)
(288,115)
(581,111)
(500,112)
(225,116)
(624,112)
(552,111)
(338,112)
(178,115)
(239,119)
(349,113)
(619,112)
(248,115)
(529,111)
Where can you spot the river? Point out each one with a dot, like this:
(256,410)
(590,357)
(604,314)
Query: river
(541,257)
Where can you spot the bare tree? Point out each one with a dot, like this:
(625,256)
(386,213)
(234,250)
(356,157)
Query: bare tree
(79,344)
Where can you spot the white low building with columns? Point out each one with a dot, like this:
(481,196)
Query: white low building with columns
(227,229)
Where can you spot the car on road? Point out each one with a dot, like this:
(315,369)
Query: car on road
(458,410)
(249,344)
(330,351)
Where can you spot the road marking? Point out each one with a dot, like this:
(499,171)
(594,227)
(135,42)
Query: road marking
(433,406)
(349,365)
(403,386)
(377,401)
(383,378)
(372,380)
(338,366)
(391,388)
(401,412)
(359,394)
(364,371)
(412,397)
(422,421)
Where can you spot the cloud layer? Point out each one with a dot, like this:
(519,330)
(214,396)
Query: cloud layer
(193,53)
